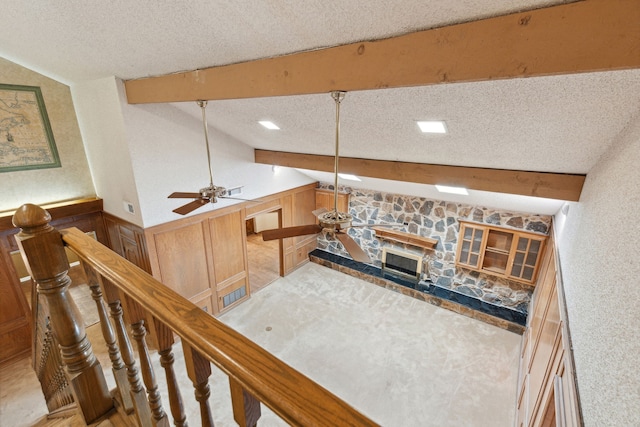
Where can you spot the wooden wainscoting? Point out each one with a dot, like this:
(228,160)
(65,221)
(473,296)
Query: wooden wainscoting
(204,257)
(127,240)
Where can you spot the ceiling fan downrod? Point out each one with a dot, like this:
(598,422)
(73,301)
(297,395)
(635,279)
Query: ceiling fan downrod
(203,107)
(211,192)
(338,96)
(334,220)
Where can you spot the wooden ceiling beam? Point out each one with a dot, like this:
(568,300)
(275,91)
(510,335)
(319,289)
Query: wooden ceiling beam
(536,184)
(586,36)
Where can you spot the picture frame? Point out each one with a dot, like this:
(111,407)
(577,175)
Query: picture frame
(26,139)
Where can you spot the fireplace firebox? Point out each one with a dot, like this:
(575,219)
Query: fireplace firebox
(401,263)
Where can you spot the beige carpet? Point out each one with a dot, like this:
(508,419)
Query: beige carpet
(400,361)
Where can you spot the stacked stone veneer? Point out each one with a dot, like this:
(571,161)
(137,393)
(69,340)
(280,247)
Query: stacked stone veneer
(438,220)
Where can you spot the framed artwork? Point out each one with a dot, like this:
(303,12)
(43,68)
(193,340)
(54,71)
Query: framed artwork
(26,140)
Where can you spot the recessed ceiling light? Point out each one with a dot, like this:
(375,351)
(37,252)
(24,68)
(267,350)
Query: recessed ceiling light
(432,126)
(269,125)
(349,177)
(452,190)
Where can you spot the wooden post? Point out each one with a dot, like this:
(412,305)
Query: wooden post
(43,251)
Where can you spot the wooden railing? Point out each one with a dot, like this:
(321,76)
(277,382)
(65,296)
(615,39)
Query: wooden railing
(255,376)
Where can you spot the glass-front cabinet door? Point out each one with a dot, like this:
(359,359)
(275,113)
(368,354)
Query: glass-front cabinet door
(526,255)
(471,245)
(499,251)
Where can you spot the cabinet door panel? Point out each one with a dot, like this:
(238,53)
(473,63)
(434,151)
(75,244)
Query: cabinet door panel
(526,258)
(471,245)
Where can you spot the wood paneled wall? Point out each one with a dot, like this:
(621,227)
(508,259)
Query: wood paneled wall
(127,240)
(204,257)
(547,392)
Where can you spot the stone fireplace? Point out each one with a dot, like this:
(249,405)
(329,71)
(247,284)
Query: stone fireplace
(439,220)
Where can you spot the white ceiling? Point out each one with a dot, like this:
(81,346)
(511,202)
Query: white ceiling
(550,124)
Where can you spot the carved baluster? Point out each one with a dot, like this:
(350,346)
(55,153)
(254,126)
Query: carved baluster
(246,408)
(136,317)
(164,337)
(43,251)
(136,391)
(117,365)
(199,371)
(148,375)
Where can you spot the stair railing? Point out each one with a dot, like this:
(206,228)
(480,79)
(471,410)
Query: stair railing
(135,298)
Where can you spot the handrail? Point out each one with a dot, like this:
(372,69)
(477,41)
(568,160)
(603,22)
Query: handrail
(288,393)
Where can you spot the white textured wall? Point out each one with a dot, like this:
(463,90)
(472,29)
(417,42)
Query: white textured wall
(100,117)
(168,154)
(599,256)
(42,186)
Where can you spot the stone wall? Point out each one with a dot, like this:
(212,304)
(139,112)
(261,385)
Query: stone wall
(438,220)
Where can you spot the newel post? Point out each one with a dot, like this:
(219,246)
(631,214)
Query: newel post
(43,251)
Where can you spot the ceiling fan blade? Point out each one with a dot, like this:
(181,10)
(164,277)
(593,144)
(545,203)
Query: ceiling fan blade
(299,230)
(190,207)
(320,211)
(179,195)
(353,248)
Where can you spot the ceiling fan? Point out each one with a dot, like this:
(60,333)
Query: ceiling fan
(209,194)
(331,221)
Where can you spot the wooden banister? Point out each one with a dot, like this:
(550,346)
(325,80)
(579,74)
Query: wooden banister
(288,393)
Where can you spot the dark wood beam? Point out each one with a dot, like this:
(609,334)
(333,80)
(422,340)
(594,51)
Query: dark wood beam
(586,36)
(537,184)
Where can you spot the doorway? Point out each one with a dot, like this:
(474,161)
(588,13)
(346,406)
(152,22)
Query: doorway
(263,257)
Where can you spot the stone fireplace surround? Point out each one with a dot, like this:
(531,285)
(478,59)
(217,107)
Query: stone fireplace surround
(438,220)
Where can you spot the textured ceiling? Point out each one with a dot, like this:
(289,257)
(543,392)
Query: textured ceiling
(554,124)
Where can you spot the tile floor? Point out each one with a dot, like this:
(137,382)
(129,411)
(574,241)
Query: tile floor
(400,361)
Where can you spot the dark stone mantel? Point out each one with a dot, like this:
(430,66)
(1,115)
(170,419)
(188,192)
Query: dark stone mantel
(427,291)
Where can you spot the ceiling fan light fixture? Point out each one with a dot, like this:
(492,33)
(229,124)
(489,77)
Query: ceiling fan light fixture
(269,125)
(452,190)
(432,126)
(349,176)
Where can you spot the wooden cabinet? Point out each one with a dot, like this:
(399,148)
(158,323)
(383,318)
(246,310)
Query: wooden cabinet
(325,199)
(499,251)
